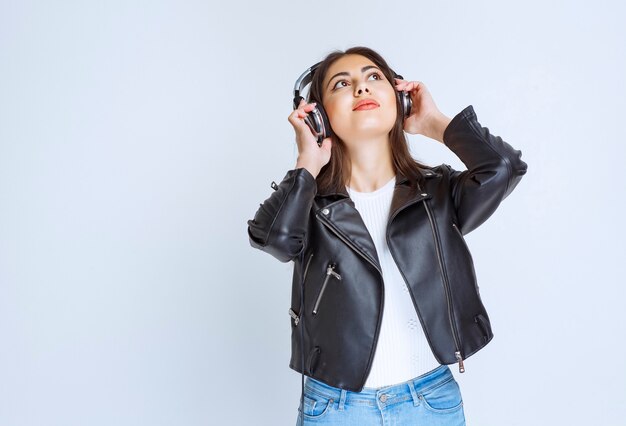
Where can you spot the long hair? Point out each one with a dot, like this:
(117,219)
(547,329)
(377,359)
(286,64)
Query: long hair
(336,174)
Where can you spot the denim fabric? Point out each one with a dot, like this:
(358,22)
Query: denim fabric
(433,398)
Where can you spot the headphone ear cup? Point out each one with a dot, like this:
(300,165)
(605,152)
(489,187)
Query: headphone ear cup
(327,131)
(406,103)
(318,122)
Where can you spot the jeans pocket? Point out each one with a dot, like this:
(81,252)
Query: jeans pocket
(444,398)
(316,406)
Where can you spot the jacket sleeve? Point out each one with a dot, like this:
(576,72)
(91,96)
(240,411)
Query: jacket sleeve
(494,168)
(280,224)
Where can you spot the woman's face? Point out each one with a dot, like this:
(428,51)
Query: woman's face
(349,80)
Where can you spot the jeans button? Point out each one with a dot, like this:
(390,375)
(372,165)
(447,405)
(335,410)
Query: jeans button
(383,398)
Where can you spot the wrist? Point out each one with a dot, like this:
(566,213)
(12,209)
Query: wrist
(437,126)
(302,163)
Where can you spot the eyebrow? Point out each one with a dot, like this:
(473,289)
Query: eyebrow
(365,68)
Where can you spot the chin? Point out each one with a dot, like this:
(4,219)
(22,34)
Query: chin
(365,133)
(364,127)
(374,127)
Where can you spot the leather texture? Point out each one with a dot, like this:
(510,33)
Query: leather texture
(425,233)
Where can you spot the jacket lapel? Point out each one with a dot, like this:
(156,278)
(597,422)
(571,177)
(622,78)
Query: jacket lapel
(404,195)
(345,220)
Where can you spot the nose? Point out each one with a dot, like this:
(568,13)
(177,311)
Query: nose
(360,90)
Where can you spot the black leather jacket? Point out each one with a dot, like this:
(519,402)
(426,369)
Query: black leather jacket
(324,234)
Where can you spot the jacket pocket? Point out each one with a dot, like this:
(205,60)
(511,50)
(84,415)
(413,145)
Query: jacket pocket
(295,316)
(313,359)
(330,273)
(458,231)
(483,325)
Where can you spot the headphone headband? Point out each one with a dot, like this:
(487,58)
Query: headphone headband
(303,81)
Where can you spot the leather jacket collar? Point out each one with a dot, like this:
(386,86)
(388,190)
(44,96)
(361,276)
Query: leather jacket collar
(400,180)
(339,211)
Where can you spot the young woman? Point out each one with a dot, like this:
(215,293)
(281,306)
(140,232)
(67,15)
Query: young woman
(384,293)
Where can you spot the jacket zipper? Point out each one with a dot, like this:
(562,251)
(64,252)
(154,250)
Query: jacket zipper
(446,286)
(406,282)
(296,318)
(330,271)
(292,313)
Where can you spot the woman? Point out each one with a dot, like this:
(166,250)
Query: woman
(384,293)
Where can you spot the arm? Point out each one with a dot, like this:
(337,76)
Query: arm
(280,224)
(494,168)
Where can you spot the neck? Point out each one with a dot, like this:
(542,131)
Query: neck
(371,165)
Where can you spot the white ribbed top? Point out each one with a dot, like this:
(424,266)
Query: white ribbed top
(402,351)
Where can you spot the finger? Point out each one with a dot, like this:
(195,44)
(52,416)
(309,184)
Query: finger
(301,111)
(410,86)
(308,107)
(296,116)
(305,105)
(404,88)
(403,85)
(304,110)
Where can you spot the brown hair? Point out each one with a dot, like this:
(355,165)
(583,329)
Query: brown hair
(335,175)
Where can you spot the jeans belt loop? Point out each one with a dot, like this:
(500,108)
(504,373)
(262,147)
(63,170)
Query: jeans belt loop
(416,400)
(342,399)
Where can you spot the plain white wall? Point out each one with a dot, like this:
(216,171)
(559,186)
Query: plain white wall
(137,138)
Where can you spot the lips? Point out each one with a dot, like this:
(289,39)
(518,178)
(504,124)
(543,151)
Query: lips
(365,104)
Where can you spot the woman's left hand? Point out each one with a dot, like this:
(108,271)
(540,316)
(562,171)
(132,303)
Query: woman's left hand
(424,112)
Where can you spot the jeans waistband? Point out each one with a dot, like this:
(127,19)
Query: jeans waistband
(387,394)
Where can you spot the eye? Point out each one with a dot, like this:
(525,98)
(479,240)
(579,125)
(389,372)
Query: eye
(340,81)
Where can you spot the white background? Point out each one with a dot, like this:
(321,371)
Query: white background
(137,138)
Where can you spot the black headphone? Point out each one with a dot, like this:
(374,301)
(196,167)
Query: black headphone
(317,120)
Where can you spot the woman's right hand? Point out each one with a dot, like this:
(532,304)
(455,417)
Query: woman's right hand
(311,156)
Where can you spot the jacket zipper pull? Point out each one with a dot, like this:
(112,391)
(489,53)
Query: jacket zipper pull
(296,318)
(460,360)
(329,271)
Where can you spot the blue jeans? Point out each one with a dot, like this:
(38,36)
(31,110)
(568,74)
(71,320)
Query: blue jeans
(434,398)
